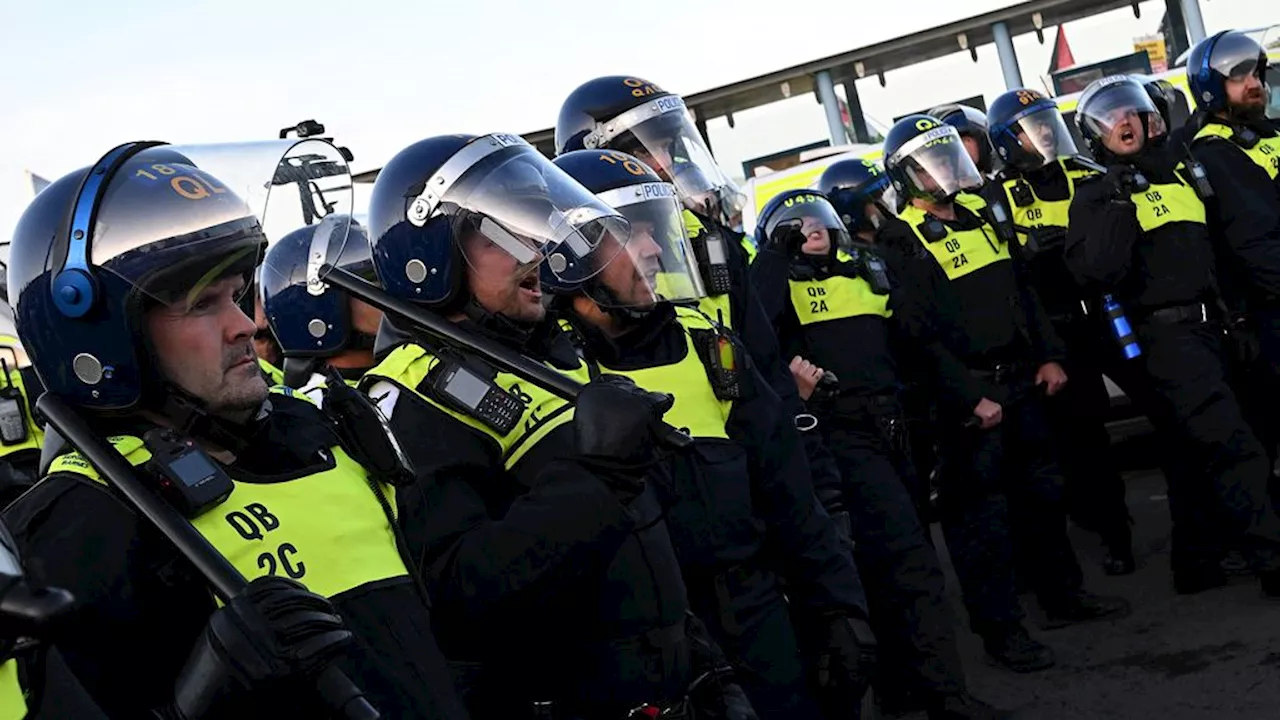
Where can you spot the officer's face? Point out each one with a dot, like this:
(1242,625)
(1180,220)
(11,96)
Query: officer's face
(205,347)
(817,241)
(1126,135)
(365,318)
(499,283)
(1034,134)
(264,343)
(632,275)
(971,146)
(1247,95)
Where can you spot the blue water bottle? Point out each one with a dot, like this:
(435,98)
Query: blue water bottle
(1120,328)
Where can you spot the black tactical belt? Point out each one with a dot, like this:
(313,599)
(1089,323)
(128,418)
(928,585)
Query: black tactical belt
(1195,313)
(1001,372)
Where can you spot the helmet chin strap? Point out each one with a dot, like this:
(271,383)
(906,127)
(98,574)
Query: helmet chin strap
(496,323)
(608,301)
(190,418)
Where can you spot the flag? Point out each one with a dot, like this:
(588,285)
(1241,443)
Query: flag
(37,183)
(1062,57)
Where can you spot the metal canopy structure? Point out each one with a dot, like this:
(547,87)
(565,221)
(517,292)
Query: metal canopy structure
(875,60)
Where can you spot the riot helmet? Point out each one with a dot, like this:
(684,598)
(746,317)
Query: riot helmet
(462,223)
(1117,117)
(1028,130)
(659,263)
(310,319)
(861,193)
(926,159)
(972,125)
(636,117)
(803,224)
(1227,58)
(128,275)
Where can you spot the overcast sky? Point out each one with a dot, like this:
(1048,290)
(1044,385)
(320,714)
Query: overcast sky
(81,77)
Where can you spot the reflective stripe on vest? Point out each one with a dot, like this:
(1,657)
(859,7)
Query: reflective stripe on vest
(1160,205)
(35,434)
(13,701)
(1044,213)
(274,374)
(408,365)
(697,411)
(1266,154)
(961,251)
(326,530)
(836,298)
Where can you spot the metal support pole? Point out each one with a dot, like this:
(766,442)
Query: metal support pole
(827,94)
(1174,27)
(1008,56)
(859,122)
(701,124)
(1195,22)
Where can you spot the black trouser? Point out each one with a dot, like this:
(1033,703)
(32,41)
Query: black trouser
(1095,492)
(906,590)
(746,614)
(1224,488)
(1000,484)
(1258,383)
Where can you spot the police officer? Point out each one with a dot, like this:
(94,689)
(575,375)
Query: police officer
(20,435)
(745,481)
(840,315)
(636,117)
(137,265)
(972,125)
(993,349)
(1041,171)
(543,544)
(1240,151)
(1139,232)
(317,326)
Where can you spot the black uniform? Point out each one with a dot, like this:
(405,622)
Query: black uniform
(1243,165)
(1095,492)
(51,691)
(554,586)
(741,494)
(847,329)
(142,605)
(1151,248)
(986,336)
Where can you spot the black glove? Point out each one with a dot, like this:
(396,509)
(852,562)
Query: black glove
(615,428)
(788,236)
(1123,181)
(1040,239)
(844,666)
(274,630)
(1242,341)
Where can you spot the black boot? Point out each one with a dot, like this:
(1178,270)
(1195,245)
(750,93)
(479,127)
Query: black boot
(1082,607)
(1015,649)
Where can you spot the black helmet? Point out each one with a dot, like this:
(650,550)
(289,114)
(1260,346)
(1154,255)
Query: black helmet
(970,123)
(659,250)
(850,185)
(1104,106)
(926,159)
(637,117)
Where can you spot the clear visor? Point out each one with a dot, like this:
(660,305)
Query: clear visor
(1044,137)
(937,164)
(500,193)
(659,262)
(181,222)
(813,217)
(1237,56)
(1116,114)
(663,136)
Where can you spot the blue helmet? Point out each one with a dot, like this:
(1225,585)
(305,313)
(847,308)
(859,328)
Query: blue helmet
(970,123)
(1228,54)
(926,159)
(850,185)
(797,218)
(636,117)
(438,195)
(146,225)
(1028,131)
(309,318)
(658,251)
